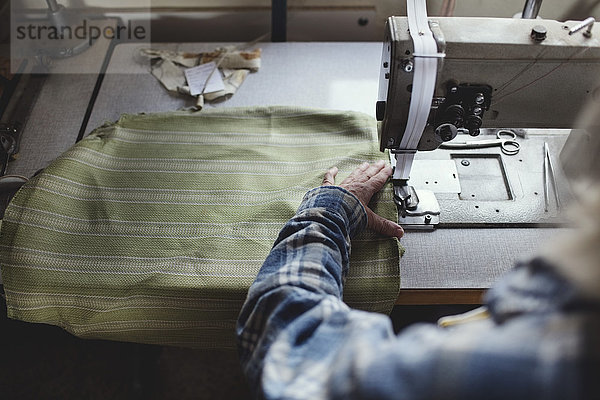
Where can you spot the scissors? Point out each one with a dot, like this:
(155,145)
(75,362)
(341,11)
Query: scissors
(504,138)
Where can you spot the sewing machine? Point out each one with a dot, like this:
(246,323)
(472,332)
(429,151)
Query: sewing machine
(445,81)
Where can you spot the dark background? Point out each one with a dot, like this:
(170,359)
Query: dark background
(45,362)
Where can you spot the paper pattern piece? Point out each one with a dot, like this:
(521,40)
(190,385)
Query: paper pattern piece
(204,78)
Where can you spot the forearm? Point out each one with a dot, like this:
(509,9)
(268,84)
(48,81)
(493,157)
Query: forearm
(305,268)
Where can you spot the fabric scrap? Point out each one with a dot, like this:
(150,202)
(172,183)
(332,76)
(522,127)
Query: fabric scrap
(234,59)
(170,75)
(233,64)
(182,58)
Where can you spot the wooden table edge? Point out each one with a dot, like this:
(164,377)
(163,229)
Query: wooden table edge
(440,296)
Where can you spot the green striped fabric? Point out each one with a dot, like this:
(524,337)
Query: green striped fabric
(152,228)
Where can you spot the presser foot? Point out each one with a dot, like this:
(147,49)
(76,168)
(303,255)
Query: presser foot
(417,209)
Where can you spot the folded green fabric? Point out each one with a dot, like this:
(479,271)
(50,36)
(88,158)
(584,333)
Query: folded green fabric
(152,229)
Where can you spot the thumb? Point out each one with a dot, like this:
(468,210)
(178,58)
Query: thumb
(329,179)
(383,226)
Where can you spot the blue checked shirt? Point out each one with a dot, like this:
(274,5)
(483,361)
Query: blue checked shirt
(298,340)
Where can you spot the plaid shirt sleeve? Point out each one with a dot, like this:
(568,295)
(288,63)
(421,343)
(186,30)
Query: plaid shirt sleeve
(298,340)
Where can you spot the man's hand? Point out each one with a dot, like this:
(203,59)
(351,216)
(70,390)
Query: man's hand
(364,182)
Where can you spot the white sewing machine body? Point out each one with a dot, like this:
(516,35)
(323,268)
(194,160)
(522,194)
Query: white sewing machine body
(491,73)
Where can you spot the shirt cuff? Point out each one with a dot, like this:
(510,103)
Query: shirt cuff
(337,200)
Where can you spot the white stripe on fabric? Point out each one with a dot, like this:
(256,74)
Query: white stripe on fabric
(170,190)
(148,297)
(162,223)
(336,144)
(345,133)
(116,234)
(156,202)
(232,261)
(101,310)
(153,160)
(120,169)
(147,272)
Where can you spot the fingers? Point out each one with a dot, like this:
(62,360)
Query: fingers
(383,226)
(329,178)
(357,172)
(374,169)
(364,172)
(377,181)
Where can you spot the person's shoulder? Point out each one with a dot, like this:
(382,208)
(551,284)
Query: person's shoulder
(537,287)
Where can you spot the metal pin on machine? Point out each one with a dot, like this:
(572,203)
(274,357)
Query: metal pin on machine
(588,22)
(549,173)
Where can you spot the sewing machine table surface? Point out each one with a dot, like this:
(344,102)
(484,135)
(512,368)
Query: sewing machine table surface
(442,266)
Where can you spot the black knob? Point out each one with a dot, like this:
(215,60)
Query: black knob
(446,132)
(538,33)
(473,124)
(454,114)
